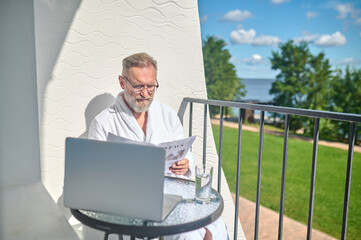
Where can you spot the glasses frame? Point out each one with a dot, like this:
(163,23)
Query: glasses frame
(142,86)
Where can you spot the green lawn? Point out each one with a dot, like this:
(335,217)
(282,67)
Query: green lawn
(330,179)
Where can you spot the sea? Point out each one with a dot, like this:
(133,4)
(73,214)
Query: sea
(258,89)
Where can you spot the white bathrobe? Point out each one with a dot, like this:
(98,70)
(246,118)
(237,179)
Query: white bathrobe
(163,125)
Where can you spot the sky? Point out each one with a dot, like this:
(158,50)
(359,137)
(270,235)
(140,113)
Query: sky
(253,29)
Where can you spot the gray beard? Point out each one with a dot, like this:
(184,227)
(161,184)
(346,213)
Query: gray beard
(134,104)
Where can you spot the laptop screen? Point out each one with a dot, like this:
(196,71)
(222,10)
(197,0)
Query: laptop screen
(116,178)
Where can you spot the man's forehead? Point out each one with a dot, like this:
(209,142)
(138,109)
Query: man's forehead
(142,68)
(147,73)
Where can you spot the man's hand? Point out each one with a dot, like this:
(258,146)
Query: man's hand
(180,167)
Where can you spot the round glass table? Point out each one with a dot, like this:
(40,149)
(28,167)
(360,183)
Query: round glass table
(188,215)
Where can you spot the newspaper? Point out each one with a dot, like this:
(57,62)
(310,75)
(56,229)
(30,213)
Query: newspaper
(174,151)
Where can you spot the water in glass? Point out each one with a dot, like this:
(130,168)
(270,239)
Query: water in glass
(203,183)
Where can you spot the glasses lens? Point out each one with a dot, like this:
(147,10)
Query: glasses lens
(150,88)
(138,88)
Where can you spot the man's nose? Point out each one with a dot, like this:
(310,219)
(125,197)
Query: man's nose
(144,91)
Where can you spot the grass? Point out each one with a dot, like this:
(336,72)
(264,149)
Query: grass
(266,127)
(330,179)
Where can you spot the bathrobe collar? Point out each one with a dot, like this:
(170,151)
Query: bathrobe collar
(128,118)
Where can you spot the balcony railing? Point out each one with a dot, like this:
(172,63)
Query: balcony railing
(353,119)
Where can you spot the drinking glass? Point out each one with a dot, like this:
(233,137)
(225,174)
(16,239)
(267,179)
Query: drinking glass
(203,189)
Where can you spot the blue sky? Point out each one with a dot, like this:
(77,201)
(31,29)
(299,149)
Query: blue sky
(253,29)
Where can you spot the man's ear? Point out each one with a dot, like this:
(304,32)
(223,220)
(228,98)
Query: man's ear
(121,81)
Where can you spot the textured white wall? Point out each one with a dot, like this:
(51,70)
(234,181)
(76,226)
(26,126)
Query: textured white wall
(26,208)
(19,129)
(80,46)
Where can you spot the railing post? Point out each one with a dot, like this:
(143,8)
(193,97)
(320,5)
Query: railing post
(240,118)
(190,125)
(205,135)
(313,177)
(351,142)
(220,144)
(283,181)
(258,199)
(190,118)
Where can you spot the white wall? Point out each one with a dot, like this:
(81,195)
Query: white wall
(80,47)
(26,209)
(19,129)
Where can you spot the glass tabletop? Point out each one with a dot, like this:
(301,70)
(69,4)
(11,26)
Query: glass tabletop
(186,216)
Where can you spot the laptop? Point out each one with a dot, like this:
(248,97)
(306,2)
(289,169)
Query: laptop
(116,178)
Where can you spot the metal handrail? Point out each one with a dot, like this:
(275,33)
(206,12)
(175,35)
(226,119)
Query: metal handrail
(317,115)
(270,108)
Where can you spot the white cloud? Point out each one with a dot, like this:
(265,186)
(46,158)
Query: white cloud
(335,39)
(257,57)
(236,16)
(348,9)
(266,41)
(235,60)
(279,1)
(239,26)
(360,34)
(254,60)
(358,21)
(325,40)
(306,37)
(344,10)
(310,15)
(203,19)
(242,36)
(346,61)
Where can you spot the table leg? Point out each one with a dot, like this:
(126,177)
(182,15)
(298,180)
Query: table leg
(106,236)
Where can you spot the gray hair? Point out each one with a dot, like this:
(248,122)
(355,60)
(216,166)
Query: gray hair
(141,60)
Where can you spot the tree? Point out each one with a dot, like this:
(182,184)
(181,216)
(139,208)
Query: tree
(303,82)
(346,97)
(318,83)
(293,63)
(289,88)
(318,94)
(307,81)
(221,78)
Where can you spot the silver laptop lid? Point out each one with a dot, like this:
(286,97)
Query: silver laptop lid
(116,178)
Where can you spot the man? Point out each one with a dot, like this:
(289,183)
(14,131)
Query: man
(136,116)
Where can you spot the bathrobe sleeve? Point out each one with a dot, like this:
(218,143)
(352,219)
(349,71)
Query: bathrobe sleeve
(96,131)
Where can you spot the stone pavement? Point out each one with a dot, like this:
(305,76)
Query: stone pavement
(268,224)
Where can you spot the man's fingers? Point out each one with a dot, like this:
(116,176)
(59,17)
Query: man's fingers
(179,172)
(181,162)
(180,167)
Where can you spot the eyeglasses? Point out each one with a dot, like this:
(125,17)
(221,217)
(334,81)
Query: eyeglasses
(139,88)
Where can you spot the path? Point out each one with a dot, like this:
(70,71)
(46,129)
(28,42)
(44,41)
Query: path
(268,224)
